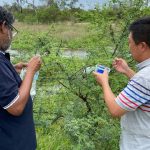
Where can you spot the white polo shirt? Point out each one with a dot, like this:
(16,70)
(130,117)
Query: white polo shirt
(135,98)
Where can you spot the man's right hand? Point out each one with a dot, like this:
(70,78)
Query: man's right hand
(18,106)
(121,66)
(34,64)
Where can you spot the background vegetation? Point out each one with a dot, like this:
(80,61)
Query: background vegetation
(69,109)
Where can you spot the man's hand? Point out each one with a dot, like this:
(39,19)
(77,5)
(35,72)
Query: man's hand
(102,79)
(109,97)
(121,66)
(34,64)
(24,91)
(18,67)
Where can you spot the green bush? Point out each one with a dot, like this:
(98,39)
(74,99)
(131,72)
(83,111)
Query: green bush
(69,108)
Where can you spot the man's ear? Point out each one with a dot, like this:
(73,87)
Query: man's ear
(143,46)
(2,27)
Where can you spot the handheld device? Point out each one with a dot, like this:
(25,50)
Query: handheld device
(100,69)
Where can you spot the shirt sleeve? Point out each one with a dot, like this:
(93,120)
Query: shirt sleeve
(135,94)
(8,87)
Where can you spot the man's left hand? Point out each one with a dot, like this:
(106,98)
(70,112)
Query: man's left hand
(102,79)
(18,67)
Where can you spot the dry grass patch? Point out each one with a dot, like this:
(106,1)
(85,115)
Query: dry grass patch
(63,31)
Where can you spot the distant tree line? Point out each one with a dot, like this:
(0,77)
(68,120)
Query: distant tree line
(50,11)
(66,10)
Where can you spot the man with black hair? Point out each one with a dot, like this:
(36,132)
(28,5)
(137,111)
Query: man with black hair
(133,103)
(17,130)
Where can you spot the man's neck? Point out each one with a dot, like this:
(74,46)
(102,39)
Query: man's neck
(144,56)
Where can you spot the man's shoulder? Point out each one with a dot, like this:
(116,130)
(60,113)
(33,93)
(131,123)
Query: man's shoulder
(143,74)
(142,78)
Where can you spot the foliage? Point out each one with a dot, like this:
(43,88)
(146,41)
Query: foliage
(69,108)
(47,15)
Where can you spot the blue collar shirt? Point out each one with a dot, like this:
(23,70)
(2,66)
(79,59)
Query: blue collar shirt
(16,132)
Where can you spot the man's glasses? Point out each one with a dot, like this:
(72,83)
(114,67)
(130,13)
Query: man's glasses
(12,28)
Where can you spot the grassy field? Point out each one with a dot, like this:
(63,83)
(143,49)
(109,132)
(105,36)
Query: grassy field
(64,31)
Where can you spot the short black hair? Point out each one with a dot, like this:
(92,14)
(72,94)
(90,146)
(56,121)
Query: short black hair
(140,30)
(6,16)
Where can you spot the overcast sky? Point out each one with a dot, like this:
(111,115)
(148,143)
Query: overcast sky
(86,3)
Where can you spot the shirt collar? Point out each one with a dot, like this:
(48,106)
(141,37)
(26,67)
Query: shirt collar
(143,64)
(7,55)
(2,52)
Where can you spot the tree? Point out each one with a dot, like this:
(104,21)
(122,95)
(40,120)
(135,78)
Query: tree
(22,2)
(61,3)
